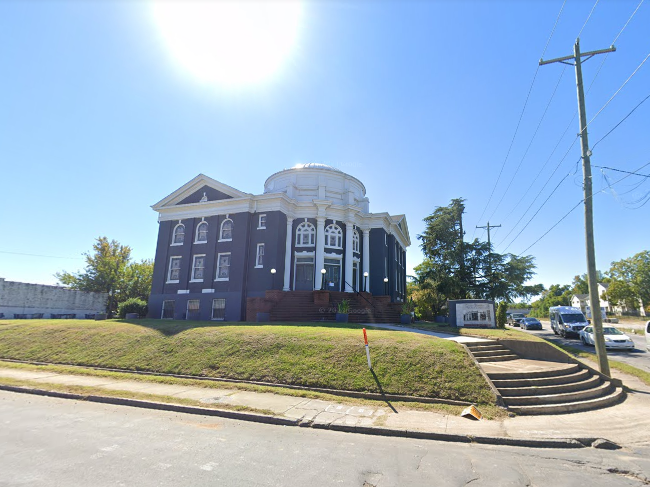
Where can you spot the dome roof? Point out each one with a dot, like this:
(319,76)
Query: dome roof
(315,165)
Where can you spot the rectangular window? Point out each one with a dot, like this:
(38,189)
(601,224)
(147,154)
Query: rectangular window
(168,310)
(219,309)
(262,222)
(259,260)
(198,268)
(193,312)
(223,267)
(174,269)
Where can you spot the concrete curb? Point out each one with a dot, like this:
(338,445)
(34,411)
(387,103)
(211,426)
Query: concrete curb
(261,418)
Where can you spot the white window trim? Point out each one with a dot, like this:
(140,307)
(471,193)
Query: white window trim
(221,230)
(257,256)
(218,261)
(358,242)
(169,270)
(259,222)
(338,235)
(194,267)
(312,233)
(196,235)
(173,244)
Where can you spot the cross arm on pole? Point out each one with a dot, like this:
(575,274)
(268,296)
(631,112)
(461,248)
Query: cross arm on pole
(589,55)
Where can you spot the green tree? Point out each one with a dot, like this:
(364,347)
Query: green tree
(105,271)
(580,284)
(428,301)
(502,309)
(137,281)
(456,269)
(555,295)
(630,280)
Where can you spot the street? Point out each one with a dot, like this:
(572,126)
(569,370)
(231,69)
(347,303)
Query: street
(59,442)
(639,357)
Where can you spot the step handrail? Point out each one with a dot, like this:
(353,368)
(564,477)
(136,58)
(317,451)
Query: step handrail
(359,294)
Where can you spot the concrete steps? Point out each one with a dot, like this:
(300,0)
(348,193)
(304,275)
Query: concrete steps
(553,389)
(490,351)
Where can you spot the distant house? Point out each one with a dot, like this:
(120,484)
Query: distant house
(580,301)
(25,300)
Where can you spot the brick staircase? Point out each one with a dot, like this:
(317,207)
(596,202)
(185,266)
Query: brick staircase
(310,306)
(560,388)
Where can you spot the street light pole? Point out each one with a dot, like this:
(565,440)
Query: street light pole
(322,281)
(365,282)
(386,286)
(273,271)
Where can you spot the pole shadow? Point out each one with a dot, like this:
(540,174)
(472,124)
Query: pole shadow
(381,391)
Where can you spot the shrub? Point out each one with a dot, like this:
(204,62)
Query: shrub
(132,305)
(344,306)
(501,314)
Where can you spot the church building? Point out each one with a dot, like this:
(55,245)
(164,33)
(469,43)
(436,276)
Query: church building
(311,229)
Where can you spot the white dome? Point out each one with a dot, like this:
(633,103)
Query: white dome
(314,165)
(315,181)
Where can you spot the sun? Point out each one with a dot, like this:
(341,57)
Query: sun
(229,43)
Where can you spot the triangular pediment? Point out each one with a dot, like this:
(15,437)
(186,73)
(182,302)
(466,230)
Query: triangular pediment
(199,190)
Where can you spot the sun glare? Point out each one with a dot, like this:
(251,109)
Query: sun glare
(229,43)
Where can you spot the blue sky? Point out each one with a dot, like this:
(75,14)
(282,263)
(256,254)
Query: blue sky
(419,100)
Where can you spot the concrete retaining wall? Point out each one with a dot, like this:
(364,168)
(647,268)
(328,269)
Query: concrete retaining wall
(29,299)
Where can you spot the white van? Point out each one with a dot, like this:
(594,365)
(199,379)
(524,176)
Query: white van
(566,320)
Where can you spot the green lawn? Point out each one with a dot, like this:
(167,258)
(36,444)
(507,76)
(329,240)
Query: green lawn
(327,356)
(493,333)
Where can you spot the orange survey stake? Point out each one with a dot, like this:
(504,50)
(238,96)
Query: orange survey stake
(365,337)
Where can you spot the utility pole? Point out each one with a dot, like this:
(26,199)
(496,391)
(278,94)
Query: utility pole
(594,299)
(489,253)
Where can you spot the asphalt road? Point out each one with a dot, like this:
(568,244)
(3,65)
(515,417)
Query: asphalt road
(639,357)
(59,442)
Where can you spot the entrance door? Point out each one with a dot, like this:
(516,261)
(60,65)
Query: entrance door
(355,276)
(333,274)
(304,276)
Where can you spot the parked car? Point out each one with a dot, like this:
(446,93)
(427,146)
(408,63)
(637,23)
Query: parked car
(515,319)
(614,339)
(567,320)
(531,324)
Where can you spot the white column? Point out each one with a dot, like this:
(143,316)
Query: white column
(349,229)
(366,257)
(320,251)
(287,256)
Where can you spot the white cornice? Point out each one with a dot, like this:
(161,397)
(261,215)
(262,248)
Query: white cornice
(296,209)
(194,185)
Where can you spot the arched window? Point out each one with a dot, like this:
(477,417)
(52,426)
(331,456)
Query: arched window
(305,235)
(179,234)
(202,232)
(355,241)
(226,230)
(334,236)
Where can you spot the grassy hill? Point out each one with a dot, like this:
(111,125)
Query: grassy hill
(327,356)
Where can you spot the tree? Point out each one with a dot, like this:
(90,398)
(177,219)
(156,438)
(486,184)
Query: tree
(428,301)
(455,269)
(137,281)
(105,271)
(502,310)
(630,280)
(580,284)
(555,295)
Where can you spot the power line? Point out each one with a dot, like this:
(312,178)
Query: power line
(619,123)
(520,117)
(617,91)
(40,255)
(574,114)
(530,144)
(588,17)
(573,209)
(623,171)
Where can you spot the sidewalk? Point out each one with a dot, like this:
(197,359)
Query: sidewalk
(626,424)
